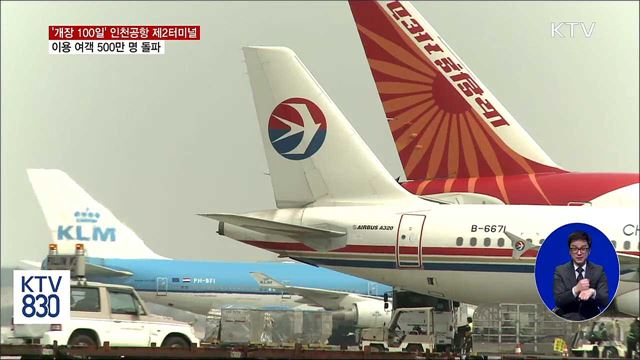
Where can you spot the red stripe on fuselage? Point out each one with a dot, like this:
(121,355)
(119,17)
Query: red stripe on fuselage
(382,249)
(560,188)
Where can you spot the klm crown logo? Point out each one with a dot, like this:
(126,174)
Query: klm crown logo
(81,230)
(86,216)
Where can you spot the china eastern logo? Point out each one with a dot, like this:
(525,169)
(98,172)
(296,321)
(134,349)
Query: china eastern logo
(297,128)
(86,228)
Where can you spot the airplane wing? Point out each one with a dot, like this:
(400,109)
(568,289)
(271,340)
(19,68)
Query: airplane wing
(629,268)
(628,259)
(274,227)
(328,299)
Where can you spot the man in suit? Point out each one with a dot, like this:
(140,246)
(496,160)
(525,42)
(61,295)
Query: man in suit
(580,287)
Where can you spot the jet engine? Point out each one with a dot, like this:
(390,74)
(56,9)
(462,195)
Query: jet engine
(371,313)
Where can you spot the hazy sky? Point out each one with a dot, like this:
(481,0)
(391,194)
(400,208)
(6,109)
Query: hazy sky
(158,139)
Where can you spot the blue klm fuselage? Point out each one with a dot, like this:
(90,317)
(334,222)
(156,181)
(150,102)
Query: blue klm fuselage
(182,283)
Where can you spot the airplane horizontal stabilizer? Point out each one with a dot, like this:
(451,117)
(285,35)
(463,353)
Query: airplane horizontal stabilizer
(30,265)
(90,269)
(103,271)
(274,227)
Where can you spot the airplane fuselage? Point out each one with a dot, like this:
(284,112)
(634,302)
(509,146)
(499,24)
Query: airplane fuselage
(458,252)
(199,286)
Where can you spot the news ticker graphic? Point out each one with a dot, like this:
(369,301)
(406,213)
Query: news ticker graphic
(117,39)
(41,296)
(105,47)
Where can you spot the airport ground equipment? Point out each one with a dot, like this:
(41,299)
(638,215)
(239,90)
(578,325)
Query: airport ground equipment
(602,338)
(274,327)
(104,313)
(410,329)
(244,352)
(499,327)
(449,317)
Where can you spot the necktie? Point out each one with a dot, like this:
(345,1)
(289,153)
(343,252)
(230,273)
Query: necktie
(579,270)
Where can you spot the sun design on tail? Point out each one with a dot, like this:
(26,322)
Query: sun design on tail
(437,133)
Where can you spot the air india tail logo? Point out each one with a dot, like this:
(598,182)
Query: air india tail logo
(297,128)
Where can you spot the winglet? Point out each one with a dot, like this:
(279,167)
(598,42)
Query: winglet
(519,245)
(265,280)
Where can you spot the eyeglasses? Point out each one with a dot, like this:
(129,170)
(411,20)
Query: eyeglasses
(576,250)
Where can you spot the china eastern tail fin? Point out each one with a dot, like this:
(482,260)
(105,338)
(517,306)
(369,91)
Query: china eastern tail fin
(446,124)
(314,155)
(73,216)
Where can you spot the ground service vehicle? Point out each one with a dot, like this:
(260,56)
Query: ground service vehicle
(448,317)
(103,312)
(410,329)
(599,339)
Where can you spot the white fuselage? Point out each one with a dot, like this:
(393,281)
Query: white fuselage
(457,252)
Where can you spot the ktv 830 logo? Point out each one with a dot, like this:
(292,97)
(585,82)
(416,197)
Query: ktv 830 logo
(41,296)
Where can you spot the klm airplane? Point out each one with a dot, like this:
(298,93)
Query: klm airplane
(73,216)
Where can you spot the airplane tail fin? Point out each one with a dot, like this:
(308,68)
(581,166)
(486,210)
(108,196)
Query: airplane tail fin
(267,281)
(314,154)
(74,216)
(445,122)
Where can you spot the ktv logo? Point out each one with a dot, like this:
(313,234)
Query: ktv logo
(86,228)
(297,128)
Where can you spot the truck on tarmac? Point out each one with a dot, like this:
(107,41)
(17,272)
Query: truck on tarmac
(599,339)
(410,329)
(104,313)
(449,317)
